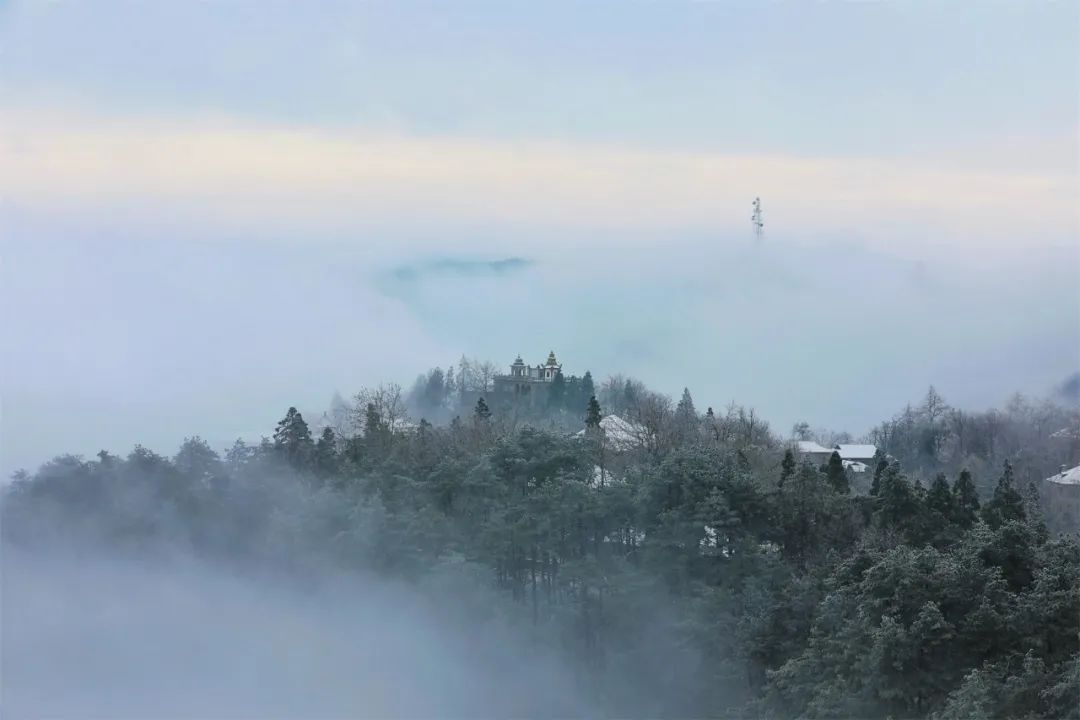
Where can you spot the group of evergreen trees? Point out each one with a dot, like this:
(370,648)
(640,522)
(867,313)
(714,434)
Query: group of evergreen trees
(709,572)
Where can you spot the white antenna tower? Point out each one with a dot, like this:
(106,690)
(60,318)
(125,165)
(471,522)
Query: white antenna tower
(756,219)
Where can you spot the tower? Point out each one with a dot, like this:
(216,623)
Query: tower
(757,220)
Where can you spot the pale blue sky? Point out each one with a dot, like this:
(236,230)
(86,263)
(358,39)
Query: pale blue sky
(203,204)
(822,78)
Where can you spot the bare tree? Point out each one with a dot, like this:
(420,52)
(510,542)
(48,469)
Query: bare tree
(387,400)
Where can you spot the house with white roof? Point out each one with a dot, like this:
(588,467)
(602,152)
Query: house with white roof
(857,458)
(620,434)
(1059,496)
(813,452)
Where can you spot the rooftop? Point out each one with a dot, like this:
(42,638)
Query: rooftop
(856,452)
(1067,477)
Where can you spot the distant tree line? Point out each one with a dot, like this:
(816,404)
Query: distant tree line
(695,568)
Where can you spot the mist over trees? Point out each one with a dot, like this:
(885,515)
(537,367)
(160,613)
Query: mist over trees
(679,563)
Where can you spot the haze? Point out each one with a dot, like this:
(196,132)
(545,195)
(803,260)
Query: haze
(213,211)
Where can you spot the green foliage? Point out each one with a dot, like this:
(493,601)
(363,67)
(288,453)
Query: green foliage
(965,500)
(292,439)
(1007,504)
(679,576)
(837,475)
(592,414)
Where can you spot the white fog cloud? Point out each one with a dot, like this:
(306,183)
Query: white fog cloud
(259,176)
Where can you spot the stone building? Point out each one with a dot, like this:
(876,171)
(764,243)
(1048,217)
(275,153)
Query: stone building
(528,384)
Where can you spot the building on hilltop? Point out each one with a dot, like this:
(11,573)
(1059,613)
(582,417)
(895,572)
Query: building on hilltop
(856,458)
(528,383)
(1059,496)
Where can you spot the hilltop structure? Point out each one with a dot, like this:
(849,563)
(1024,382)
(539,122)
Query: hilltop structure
(527,383)
(857,458)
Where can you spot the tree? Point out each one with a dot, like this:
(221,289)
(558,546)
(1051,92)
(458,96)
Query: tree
(787,466)
(481,412)
(939,498)
(881,464)
(388,402)
(837,475)
(592,414)
(801,431)
(965,500)
(586,390)
(292,439)
(1007,503)
(325,460)
(686,417)
(557,391)
(196,460)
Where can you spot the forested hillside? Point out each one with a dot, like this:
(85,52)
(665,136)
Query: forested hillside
(698,568)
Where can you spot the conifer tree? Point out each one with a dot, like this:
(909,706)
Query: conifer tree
(326,453)
(481,412)
(837,475)
(586,390)
(592,414)
(686,418)
(787,467)
(965,500)
(939,498)
(881,464)
(292,439)
(1007,503)
(685,408)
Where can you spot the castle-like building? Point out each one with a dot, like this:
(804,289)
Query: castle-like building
(527,382)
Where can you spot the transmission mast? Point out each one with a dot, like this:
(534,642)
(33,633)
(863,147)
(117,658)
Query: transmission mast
(756,219)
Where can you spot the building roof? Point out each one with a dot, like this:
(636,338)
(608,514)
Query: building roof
(1067,477)
(621,434)
(856,452)
(809,446)
(856,466)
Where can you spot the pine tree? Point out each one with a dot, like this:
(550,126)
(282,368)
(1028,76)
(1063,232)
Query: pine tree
(880,466)
(1007,503)
(837,475)
(586,391)
(592,414)
(939,498)
(965,500)
(685,408)
(292,439)
(897,500)
(686,418)
(326,453)
(787,467)
(481,412)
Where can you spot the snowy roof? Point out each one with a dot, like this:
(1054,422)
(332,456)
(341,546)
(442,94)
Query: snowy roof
(1067,433)
(619,432)
(809,446)
(856,452)
(856,466)
(1067,477)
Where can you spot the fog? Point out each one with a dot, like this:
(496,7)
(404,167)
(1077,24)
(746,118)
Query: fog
(114,340)
(96,635)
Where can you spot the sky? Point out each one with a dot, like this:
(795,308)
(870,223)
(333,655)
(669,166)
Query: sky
(212,211)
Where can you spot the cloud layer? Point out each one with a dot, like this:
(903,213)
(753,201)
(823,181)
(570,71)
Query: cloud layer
(257,176)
